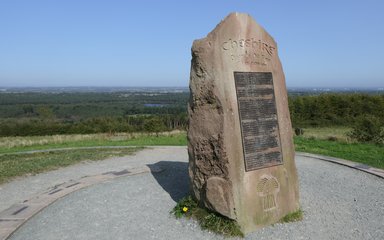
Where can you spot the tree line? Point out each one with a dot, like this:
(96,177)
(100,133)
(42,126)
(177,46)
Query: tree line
(106,124)
(334,109)
(363,113)
(28,114)
(25,114)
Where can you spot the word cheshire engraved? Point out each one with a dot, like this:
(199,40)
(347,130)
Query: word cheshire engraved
(258,119)
(249,51)
(248,43)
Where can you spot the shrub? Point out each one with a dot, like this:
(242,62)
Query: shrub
(379,138)
(368,128)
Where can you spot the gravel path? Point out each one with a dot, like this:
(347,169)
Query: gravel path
(22,188)
(338,203)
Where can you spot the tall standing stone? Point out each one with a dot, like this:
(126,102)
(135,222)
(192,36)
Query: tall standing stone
(241,154)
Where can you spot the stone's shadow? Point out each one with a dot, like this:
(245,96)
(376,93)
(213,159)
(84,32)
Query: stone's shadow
(172,177)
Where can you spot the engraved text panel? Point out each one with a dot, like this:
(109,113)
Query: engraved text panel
(258,119)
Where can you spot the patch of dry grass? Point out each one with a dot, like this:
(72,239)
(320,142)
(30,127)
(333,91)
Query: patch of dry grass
(14,142)
(328,133)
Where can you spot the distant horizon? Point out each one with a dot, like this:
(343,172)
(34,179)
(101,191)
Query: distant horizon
(112,86)
(168,86)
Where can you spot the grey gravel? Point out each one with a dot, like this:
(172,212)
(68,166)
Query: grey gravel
(24,187)
(338,203)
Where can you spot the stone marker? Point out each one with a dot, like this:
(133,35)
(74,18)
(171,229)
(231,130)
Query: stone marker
(241,154)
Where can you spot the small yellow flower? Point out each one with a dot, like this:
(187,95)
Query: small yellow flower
(185,209)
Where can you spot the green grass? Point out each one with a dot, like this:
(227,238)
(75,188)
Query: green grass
(369,154)
(208,220)
(292,217)
(14,165)
(19,144)
(313,141)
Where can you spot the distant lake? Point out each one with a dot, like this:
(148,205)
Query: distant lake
(155,105)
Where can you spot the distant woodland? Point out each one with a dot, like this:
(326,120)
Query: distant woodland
(23,114)
(334,109)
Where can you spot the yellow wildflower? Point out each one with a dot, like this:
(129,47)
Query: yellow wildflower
(185,209)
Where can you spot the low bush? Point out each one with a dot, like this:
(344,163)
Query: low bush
(368,128)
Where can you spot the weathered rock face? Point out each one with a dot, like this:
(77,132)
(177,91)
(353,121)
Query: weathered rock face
(241,155)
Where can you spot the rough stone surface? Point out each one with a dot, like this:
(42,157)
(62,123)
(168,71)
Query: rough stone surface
(262,194)
(219,196)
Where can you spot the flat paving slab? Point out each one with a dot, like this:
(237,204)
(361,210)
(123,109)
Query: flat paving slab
(338,203)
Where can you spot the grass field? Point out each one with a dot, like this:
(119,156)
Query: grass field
(369,154)
(19,144)
(325,141)
(334,142)
(14,165)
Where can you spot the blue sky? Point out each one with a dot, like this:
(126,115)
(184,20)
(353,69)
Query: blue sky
(147,43)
